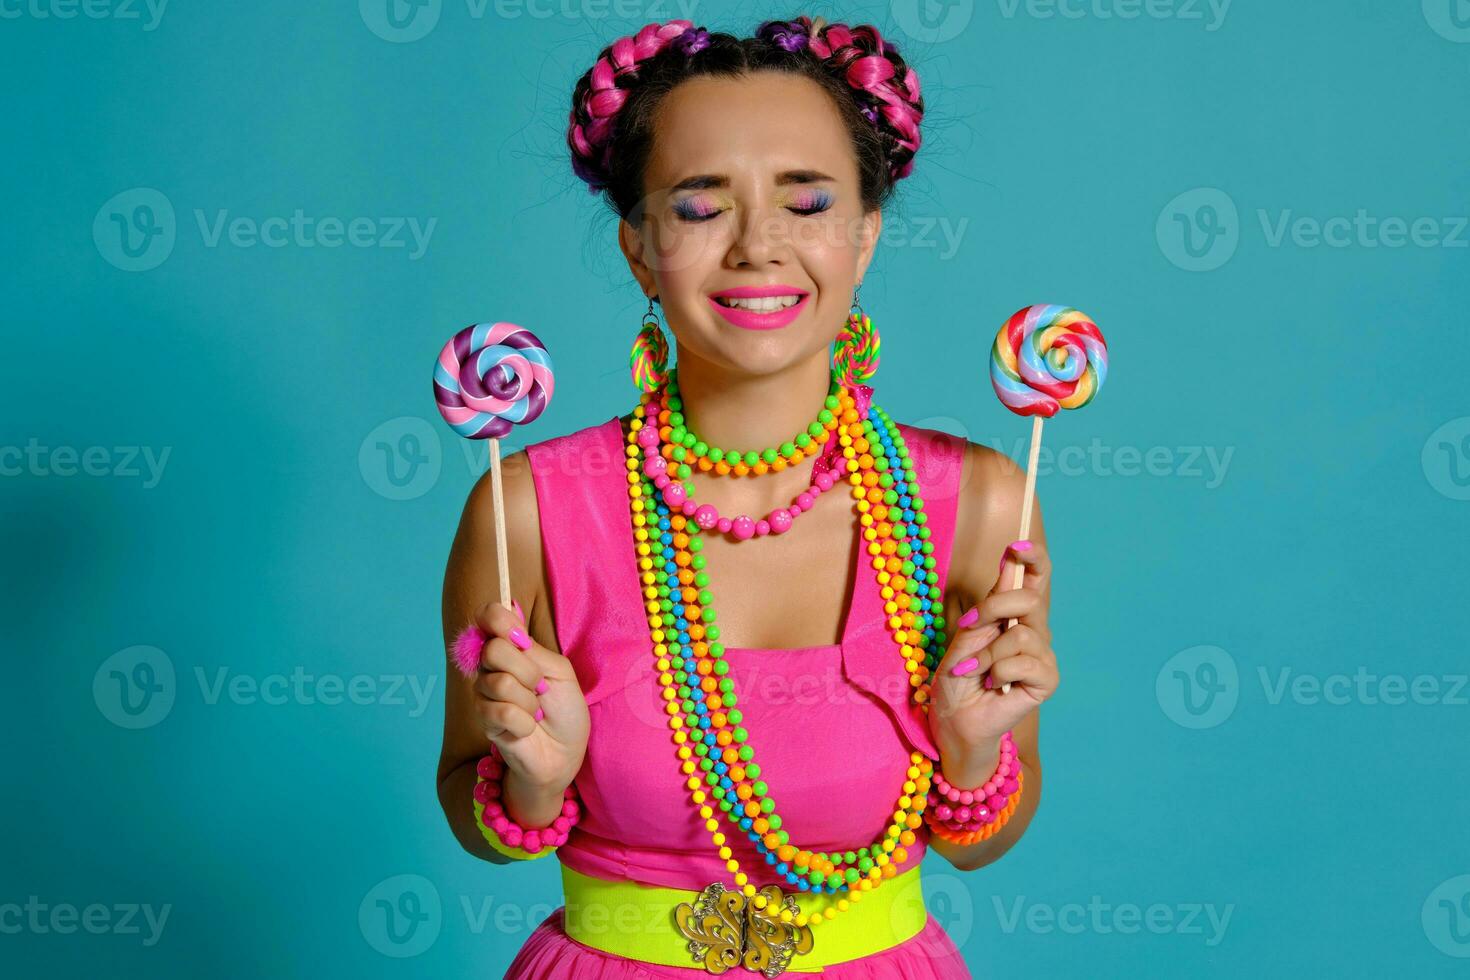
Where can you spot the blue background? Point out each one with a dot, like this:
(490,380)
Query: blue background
(304,510)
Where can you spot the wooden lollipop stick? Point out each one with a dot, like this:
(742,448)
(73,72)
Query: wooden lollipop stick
(502,560)
(1027,500)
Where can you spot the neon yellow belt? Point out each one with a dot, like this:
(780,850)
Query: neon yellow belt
(719,928)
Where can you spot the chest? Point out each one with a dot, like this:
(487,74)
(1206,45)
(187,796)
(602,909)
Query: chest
(791,590)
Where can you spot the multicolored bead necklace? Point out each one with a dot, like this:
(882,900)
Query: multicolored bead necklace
(716,759)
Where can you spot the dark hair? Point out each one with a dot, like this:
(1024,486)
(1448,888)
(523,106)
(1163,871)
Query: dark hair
(610,130)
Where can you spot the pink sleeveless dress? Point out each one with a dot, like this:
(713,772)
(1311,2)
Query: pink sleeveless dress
(835,785)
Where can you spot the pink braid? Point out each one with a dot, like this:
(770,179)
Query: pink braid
(590,127)
(863,53)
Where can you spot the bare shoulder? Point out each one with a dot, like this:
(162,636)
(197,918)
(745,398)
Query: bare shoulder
(988,516)
(473,575)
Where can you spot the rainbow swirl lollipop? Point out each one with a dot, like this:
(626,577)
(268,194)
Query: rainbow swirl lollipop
(855,351)
(1048,357)
(491,376)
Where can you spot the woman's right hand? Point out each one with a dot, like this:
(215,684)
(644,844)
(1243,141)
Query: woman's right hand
(546,753)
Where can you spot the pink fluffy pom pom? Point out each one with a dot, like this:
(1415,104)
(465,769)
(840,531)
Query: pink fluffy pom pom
(467,646)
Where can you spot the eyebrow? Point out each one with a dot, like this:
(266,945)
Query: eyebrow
(702,182)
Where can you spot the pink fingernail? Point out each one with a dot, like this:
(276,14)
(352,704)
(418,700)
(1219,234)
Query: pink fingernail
(541,686)
(964,667)
(969,619)
(519,638)
(989,681)
(540,714)
(517,607)
(1022,545)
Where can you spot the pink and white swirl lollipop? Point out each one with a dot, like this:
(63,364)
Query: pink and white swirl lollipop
(491,376)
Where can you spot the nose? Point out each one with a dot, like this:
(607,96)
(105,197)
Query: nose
(760,240)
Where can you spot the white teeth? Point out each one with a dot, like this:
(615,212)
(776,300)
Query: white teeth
(760,304)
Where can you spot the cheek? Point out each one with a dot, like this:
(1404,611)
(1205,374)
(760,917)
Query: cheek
(829,249)
(683,254)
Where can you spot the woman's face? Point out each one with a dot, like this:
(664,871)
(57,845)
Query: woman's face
(752,188)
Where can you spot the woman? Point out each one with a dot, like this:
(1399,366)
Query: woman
(749,175)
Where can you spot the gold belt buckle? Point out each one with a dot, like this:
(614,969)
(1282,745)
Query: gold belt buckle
(725,929)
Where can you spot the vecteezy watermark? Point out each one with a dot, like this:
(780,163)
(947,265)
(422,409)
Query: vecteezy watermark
(1100,918)
(136,230)
(1210,13)
(303,688)
(1200,230)
(137,688)
(1446,917)
(1450,19)
(124,462)
(1206,463)
(1446,459)
(401,916)
(1200,688)
(39,918)
(1363,687)
(403,21)
(401,458)
(932,21)
(87,9)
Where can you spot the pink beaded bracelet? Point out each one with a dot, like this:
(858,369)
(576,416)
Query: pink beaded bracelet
(957,811)
(504,834)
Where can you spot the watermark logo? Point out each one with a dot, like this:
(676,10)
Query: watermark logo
(135,687)
(90,9)
(1446,459)
(124,462)
(401,458)
(400,21)
(1198,687)
(1203,919)
(1446,917)
(39,918)
(135,230)
(401,916)
(1211,13)
(1199,230)
(1450,19)
(933,21)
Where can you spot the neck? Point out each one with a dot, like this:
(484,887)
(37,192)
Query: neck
(754,412)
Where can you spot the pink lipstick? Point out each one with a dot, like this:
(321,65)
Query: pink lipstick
(778,306)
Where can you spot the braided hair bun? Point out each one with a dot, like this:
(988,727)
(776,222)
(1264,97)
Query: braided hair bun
(610,127)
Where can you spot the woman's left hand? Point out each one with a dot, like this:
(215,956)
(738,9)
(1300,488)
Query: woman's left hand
(969,713)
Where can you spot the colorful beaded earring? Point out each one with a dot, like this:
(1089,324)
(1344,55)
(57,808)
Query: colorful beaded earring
(855,351)
(649,359)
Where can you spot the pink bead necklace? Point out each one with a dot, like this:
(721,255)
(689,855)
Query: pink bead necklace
(741,527)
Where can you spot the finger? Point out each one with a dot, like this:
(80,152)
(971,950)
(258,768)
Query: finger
(1018,639)
(966,645)
(1024,669)
(498,620)
(501,719)
(1035,562)
(1022,604)
(501,686)
(501,655)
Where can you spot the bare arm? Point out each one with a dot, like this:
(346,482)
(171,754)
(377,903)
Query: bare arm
(471,581)
(991,491)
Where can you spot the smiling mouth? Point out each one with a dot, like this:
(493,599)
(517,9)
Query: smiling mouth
(759,304)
